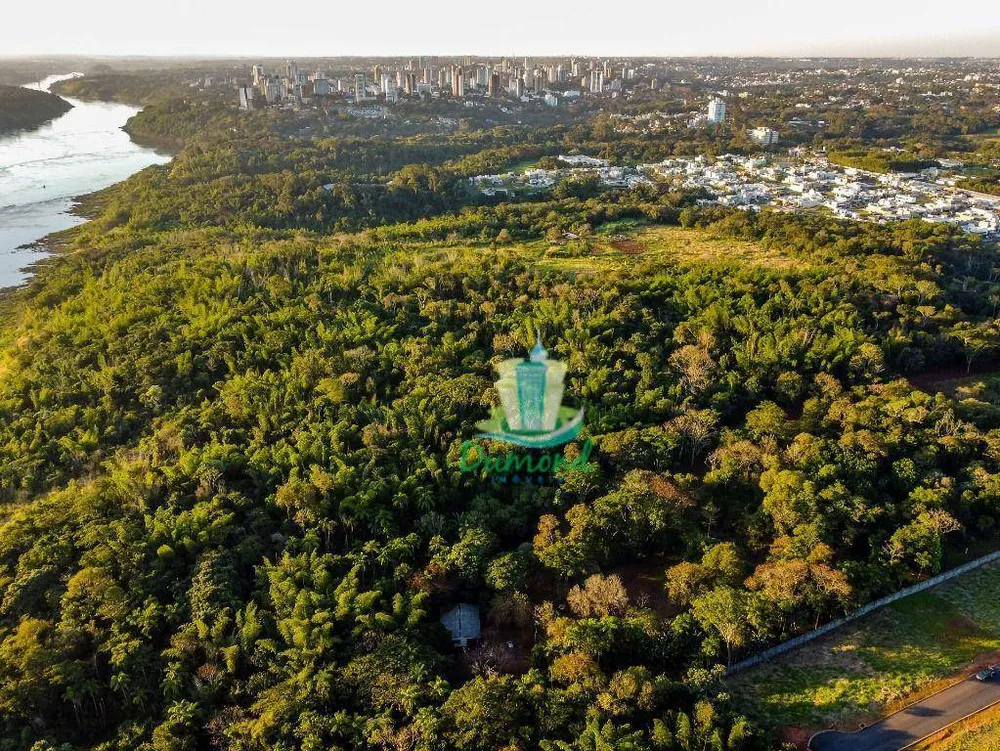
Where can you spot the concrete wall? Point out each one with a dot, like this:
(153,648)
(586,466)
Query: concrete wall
(798,641)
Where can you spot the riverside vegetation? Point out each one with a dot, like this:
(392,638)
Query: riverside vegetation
(22,108)
(231,419)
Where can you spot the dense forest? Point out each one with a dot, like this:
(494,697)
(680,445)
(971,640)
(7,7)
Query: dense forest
(230,427)
(22,108)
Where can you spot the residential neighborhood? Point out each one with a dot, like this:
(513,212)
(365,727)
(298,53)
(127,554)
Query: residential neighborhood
(796,182)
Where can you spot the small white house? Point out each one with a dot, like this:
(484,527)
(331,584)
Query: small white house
(462,621)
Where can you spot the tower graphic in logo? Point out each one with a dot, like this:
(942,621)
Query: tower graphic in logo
(531,412)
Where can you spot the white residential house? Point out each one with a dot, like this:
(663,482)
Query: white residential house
(462,622)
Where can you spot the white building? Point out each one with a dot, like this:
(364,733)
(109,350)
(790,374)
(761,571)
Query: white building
(462,621)
(763,136)
(246,98)
(596,81)
(716,111)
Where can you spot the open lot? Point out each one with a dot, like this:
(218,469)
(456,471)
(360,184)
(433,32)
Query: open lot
(701,246)
(884,661)
(663,244)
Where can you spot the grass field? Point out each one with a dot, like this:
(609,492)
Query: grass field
(882,662)
(647,247)
(699,246)
(980,732)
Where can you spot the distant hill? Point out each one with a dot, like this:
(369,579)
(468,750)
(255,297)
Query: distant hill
(26,108)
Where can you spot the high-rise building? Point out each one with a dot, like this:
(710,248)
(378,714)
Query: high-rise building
(272,90)
(359,87)
(716,111)
(596,81)
(246,98)
(457,82)
(493,90)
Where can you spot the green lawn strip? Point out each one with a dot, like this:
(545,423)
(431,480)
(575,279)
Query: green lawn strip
(871,666)
(977,596)
(983,738)
(981,732)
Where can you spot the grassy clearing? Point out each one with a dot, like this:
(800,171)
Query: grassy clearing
(698,246)
(604,252)
(977,396)
(882,662)
(522,166)
(979,137)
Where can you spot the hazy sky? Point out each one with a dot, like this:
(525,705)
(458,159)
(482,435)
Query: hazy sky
(500,27)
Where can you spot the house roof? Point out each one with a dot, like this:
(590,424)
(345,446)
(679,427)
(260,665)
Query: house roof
(462,621)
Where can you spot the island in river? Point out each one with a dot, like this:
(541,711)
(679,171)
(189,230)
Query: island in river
(21,108)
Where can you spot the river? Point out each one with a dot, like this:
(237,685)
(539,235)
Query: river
(42,170)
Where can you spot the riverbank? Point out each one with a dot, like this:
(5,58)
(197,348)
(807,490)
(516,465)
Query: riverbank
(48,175)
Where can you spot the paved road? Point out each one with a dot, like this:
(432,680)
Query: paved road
(914,722)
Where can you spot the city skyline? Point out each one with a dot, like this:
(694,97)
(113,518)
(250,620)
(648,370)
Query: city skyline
(518,27)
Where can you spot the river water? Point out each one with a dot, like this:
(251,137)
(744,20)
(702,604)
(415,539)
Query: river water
(42,170)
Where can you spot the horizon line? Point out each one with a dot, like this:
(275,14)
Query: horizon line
(385,56)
